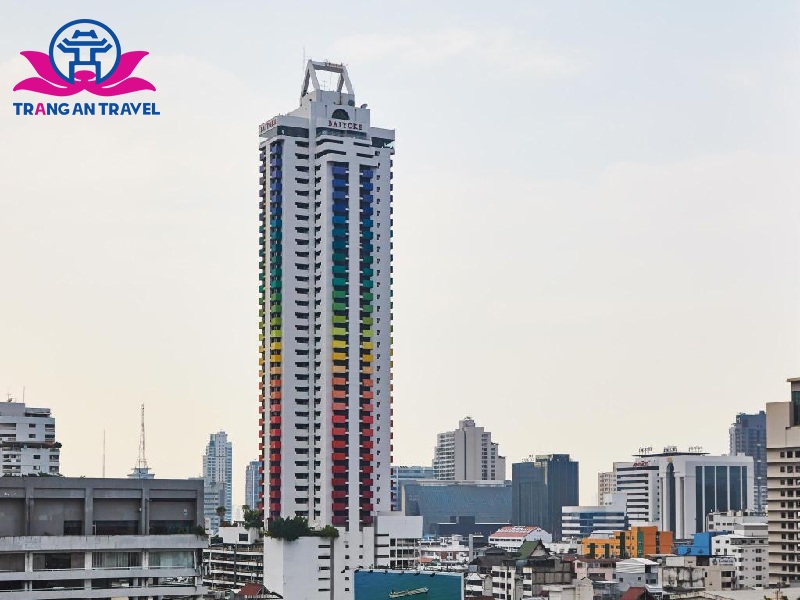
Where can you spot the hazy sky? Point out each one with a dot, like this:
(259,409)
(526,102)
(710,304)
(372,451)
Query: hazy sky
(596,221)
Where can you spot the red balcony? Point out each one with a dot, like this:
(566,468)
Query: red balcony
(338,520)
(339,381)
(367,407)
(260,446)
(275,456)
(339,470)
(339,494)
(366,483)
(367,382)
(366,506)
(367,444)
(276,395)
(368,420)
(261,385)
(275,445)
(275,407)
(339,444)
(275,506)
(274,420)
(366,469)
(366,457)
(366,432)
(275,482)
(367,494)
(274,470)
(339,393)
(367,394)
(275,495)
(367,520)
(339,456)
(338,431)
(261,422)
(338,406)
(338,481)
(339,419)
(339,506)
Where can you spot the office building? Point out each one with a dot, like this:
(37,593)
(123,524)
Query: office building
(606,484)
(401,475)
(218,478)
(783,488)
(677,490)
(326,336)
(28,443)
(748,435)
(462,504)
(578,522)
(100,538)
(253,481)
(468,454)
(635,542)
(542,486)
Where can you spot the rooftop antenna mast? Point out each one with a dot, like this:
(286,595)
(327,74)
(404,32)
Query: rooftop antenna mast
(141,462)
(104,453)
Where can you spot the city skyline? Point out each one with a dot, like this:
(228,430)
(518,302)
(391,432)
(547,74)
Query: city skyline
(653,226)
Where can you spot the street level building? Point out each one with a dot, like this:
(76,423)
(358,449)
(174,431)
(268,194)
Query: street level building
(100,538)
(28,443)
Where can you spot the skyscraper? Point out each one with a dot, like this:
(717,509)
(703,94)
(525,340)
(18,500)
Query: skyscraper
(749,436)
(253,481)
(468,454)
(218,478)
(541,487)
(326,331)
(783,488)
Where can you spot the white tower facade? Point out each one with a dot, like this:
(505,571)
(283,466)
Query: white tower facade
(326,331)
(468,454)
(28,443)
(218,477)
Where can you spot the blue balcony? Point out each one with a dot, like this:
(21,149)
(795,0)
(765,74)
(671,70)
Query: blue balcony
(339,208)
(339,183)
(277,186)
(366,211)
(366,187)
(366,235)
(366,222)
(339,244)
(366,198)
(339,170)
(366,174)
(366,247)
(339,220)
(339,232)
(275,162)
(339,195)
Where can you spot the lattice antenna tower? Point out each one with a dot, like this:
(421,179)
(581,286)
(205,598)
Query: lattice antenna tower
(141,462)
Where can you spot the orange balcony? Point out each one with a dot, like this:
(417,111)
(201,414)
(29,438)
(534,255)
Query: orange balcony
(275,457)
(275,407)
(339,381)
(367,382)
(367,394)
(261,385)
(367,407)
(339,406)
(367,444)
(367,432)
(275,445)
(367,370)
(276,395)
(275,370)
(366,457)
(339,393)
(339,369)
(339,419)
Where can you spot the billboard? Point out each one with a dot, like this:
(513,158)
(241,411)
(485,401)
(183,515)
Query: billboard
(415,585)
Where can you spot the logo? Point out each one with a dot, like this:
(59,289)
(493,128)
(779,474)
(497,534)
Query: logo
(84,56)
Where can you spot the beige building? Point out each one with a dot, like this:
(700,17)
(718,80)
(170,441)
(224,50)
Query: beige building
(606,485)
(783,488)
(468,454)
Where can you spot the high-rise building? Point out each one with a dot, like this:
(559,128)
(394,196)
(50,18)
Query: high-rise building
(28,443)
(748,436)
(606,485)
(218,478)
(253,480)
(326,331)
(783,488)
(401,475)
(541,487)
(468,454)
(676,490)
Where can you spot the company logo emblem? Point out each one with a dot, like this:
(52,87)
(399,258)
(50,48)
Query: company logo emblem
(84,55)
